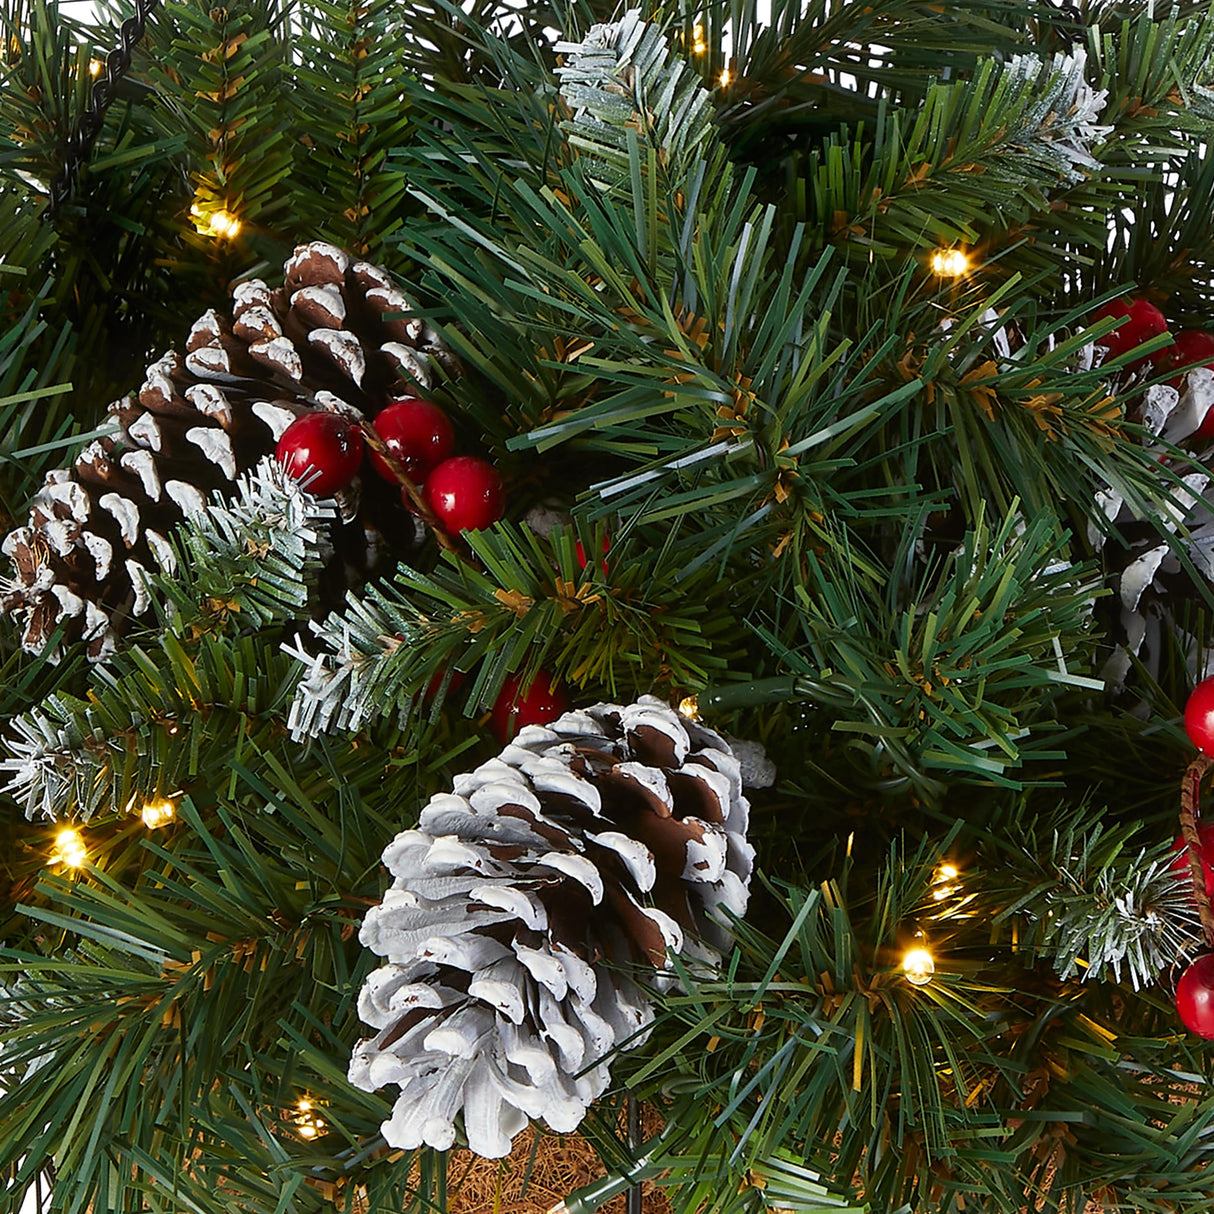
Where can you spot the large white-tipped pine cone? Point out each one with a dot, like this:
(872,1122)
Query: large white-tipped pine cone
(587,850)
(335,334)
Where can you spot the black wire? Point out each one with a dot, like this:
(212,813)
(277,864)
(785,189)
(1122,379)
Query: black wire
(1068,13)
(80,142)
(633,1200)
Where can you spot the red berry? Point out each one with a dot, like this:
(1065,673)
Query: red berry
(465,493)
(581,554)
(1205,832)
(1190,348)
(538,705)
(1195,996)
(417,433)
(322,451)
(453,685)
(1199,717)
(1144,321)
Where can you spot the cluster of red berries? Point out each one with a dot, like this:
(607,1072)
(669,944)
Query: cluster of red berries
(325,451)
(1195,990)
(1189,348)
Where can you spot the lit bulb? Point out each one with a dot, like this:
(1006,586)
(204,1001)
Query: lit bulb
(221,223)
(950,263)
(698,45)
(943,879)
(307,1126)
(725,78)
(69,849)
(224,223)
(919,966)
(95,67)
(689,706)
(158,813)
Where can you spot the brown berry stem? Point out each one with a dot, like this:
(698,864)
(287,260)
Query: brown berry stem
(377,444)
(1190,802)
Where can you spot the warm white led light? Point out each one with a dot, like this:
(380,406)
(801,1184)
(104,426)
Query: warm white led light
(158,813)
(69,849)
(950,263)
(918,966)
(307,1124)
(220,223)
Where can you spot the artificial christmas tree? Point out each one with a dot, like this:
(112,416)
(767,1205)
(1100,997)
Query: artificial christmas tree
(823,326)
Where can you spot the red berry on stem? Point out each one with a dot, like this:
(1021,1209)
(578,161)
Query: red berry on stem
(465,493)
(1144,321)
(1195,996)
(418,433)
(1199,717)
(1190,348)
(539,704)
(322,451)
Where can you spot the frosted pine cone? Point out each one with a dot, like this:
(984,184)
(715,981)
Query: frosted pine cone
(334,336)
(592,847)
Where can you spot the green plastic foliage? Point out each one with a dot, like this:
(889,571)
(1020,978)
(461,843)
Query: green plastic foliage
(619,624)
(812,1043)
(992,146)
(154,1050)
(823,1050)
(953,676)
(45,83)
(1093,896)
(350,98)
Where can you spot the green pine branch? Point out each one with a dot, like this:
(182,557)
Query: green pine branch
(818,1045)
(1089,894)
(349,95)
(623,624)
(956,674)
(222,74)
(176,980)
(247,562)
